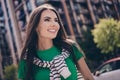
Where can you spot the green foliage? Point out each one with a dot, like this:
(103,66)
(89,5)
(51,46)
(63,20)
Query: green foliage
(92,53)
(87,44)
(107,35)
(11,72)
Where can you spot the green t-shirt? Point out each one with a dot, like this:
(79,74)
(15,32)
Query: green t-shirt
(47,55)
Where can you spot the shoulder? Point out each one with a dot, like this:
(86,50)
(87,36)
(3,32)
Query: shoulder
(72,43)
(67,44)
(75,46)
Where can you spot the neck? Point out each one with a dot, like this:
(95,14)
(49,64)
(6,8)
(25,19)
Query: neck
(44,44)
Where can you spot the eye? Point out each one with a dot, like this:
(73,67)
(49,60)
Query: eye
(56,20)
(46,19)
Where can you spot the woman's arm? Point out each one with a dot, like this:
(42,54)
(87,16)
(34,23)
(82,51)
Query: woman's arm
(84,69)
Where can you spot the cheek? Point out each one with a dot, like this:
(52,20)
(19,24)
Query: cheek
(58,26)
(41,27)
(42,31)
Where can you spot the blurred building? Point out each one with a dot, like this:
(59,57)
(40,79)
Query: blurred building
(76,15)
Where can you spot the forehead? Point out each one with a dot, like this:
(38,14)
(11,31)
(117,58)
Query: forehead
(48,13)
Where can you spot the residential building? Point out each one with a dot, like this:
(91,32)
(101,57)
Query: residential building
(76,16)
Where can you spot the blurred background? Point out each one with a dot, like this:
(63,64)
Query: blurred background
(79,18)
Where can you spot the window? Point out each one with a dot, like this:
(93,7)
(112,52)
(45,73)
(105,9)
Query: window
(106,68)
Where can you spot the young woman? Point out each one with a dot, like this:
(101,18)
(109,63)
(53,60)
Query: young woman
(47,54)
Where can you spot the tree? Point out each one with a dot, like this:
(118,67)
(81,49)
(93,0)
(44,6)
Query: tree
(107,35)
(92,53)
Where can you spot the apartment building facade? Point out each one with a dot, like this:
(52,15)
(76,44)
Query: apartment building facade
(76,15)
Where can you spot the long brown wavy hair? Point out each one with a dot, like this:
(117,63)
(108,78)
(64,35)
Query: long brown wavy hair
(30,45)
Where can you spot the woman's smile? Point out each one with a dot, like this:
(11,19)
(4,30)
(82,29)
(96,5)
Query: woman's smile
(52,30)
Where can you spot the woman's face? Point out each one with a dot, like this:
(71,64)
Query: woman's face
(48,26)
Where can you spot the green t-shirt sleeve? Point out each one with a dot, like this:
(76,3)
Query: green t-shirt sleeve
(78,54)
(21,69)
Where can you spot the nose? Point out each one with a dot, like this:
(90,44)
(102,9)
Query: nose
(53,23)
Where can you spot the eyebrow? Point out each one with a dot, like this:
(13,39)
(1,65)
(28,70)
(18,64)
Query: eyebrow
(48,17)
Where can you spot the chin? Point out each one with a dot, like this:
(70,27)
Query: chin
(53,37)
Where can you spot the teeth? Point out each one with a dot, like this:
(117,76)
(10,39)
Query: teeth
(52,30)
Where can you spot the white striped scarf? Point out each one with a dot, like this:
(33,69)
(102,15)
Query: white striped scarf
(57,66)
